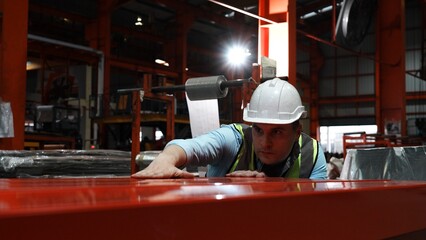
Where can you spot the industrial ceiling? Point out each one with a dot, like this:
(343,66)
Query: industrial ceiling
(143,30)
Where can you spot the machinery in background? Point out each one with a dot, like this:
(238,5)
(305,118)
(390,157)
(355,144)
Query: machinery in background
(54,127)
(57,119)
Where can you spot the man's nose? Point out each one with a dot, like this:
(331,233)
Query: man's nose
(266,140)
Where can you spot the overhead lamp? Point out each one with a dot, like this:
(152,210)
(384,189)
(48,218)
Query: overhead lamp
(138,21)
(309,15)
(161,62)
(238,55)
(230,14)
(33,65)
(322,10)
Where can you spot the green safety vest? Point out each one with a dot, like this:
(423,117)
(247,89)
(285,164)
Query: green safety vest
(301,161)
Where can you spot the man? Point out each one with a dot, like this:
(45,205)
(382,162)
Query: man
(273,146)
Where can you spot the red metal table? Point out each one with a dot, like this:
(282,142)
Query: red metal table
(210,208)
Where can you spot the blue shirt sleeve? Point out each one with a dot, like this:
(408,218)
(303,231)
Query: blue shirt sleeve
(320,168)
(217,148)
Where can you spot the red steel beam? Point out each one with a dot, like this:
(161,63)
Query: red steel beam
(279,11)
(337,100)
(13,58)
(390,47)
(125,208)
(316,62)
(136,129)
(104,44)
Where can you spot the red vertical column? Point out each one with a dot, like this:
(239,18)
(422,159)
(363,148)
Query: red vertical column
(390,67)
(136,129)
(98,34)
(170,135)
(283,14)
(13,44)
(316,62)
(292,39)
(180,46)
(104,44)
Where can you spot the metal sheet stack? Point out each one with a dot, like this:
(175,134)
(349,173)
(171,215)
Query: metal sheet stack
(396,163)
(64,163)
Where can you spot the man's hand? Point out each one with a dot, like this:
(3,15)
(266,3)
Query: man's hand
(160,170)
(246,173)
(164,165)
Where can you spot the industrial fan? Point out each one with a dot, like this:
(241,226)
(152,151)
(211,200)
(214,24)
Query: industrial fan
(354,21)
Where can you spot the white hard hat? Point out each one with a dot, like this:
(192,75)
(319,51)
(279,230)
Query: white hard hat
(275,102)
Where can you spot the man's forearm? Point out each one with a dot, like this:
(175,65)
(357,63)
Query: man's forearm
(174,154)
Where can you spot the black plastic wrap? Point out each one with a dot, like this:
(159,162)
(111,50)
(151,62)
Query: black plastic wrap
(397,163)
(64,163)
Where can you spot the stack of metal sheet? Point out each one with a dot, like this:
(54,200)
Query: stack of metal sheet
(64,163)
(396,163)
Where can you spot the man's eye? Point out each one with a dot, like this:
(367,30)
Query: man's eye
(278,132)
(257,129)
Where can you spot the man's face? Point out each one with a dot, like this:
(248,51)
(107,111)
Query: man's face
(273,142)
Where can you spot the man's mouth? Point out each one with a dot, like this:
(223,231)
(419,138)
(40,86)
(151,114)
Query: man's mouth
(265,152)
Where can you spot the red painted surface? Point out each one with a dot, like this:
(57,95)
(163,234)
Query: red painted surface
(136,128)
(390,67)
(13,58)
(209,208)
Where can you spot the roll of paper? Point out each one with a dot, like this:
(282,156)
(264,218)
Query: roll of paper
(202,88)
(203,116)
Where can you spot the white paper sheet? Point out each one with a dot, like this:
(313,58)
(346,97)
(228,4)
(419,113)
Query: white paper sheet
(203,116)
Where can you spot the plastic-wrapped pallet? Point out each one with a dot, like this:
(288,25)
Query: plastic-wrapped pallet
(6,120)
(397,163)
(64,163)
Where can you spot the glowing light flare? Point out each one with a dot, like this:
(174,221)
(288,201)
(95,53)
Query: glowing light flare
(237,55)
(138,21)
(162,62)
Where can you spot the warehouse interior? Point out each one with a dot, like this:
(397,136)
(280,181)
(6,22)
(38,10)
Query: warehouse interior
(69,42)
(83,58)
(338,78)
(103,81)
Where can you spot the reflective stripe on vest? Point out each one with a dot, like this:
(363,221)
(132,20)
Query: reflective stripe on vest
(302,167)
(239,127)
(304,170)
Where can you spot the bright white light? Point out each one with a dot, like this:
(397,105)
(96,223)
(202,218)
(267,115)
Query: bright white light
(323,10)
(158,135)
(138,21)
(219,196)
(161,62)
(33,65)
(326,9)
(308,15)
(238,55)
(331,137)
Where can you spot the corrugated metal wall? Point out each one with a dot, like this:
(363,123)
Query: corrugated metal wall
(346,75)
(415,108)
